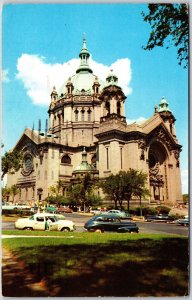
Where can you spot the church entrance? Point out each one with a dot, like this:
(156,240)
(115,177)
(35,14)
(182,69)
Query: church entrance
(157,173)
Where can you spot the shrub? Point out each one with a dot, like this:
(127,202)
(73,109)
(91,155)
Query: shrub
(163,209)
(18,212)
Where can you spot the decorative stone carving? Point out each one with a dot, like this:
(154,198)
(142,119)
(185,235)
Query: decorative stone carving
(177,155)
(161,134)
(155,174)
(142,146)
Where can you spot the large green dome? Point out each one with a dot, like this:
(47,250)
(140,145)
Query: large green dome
(84,78)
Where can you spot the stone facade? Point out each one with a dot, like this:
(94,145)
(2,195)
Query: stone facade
(90,114)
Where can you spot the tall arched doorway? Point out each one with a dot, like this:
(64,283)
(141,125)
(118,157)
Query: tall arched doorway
(158,157)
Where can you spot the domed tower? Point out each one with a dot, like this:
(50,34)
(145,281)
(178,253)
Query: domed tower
(84,167)
(167,116)
(75,114)
(113,99)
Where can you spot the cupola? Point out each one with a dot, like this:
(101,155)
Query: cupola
(83,167)
(84,58)
(163,106)
(111,79)
(54,95)
(96,85)
(69,86)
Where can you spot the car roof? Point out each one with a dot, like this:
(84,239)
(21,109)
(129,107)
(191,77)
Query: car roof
(44,215)
(109,215)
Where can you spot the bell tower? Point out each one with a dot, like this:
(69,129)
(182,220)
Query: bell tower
(113,98)
(167,116)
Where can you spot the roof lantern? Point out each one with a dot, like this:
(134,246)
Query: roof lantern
(84,166)
(84,58)
(163,106)
(112,79)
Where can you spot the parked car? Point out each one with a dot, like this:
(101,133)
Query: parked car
(159,218)
(183,222)
(38,222)
(107,222)
(114,211)
(64,210)
(120,214)
(97,211)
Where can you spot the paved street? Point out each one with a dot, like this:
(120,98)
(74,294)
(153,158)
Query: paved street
(144,227)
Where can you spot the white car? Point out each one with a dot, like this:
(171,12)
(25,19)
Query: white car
(114,211)
(38,222)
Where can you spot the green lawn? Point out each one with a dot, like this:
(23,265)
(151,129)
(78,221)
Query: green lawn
(93,264)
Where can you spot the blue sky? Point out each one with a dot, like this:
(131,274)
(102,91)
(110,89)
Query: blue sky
(41,40)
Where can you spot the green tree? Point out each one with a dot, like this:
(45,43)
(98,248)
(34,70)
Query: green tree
(110,187)
(14,191)
(56,189)
(94,200)
(81,190)
(169,26)
(5,193)
(185,198)
(124,185)
(136,185)
(11,162)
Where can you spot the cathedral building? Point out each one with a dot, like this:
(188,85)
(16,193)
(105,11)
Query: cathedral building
(87,132)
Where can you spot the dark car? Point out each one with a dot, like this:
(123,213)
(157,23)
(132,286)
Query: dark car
(101,223)
(161,217)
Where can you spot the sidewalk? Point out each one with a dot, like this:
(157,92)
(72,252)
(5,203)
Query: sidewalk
(17,280)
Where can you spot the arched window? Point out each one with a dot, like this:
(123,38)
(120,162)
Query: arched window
(89,115)
(59,119)
(93,159)
(76,115)
(66,159)
(118,108)
(108,107)
(82,115)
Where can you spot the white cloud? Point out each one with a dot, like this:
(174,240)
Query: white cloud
(5,76)
(39,77)
(184,180)
(139,120)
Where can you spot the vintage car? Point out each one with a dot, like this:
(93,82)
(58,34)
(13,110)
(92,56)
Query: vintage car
(107,222)
(40,220)
(159,218)
(183,222)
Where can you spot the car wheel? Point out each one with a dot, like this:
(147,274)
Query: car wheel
(65,229)
(28,228)
(99,230)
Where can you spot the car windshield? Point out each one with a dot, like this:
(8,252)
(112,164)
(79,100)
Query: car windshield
(55,218)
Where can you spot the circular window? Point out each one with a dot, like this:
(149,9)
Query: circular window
(27,164)
(152,161)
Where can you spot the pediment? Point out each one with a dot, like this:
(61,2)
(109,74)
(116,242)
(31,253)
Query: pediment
(162,134)
(26,143)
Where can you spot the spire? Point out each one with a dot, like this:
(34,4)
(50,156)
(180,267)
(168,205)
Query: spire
(84,42)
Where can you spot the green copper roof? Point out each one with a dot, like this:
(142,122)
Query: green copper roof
(163,106)
(84,78)
(111,79)
(84,166)
(84,59)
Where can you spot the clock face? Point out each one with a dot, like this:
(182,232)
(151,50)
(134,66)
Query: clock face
(27,164)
